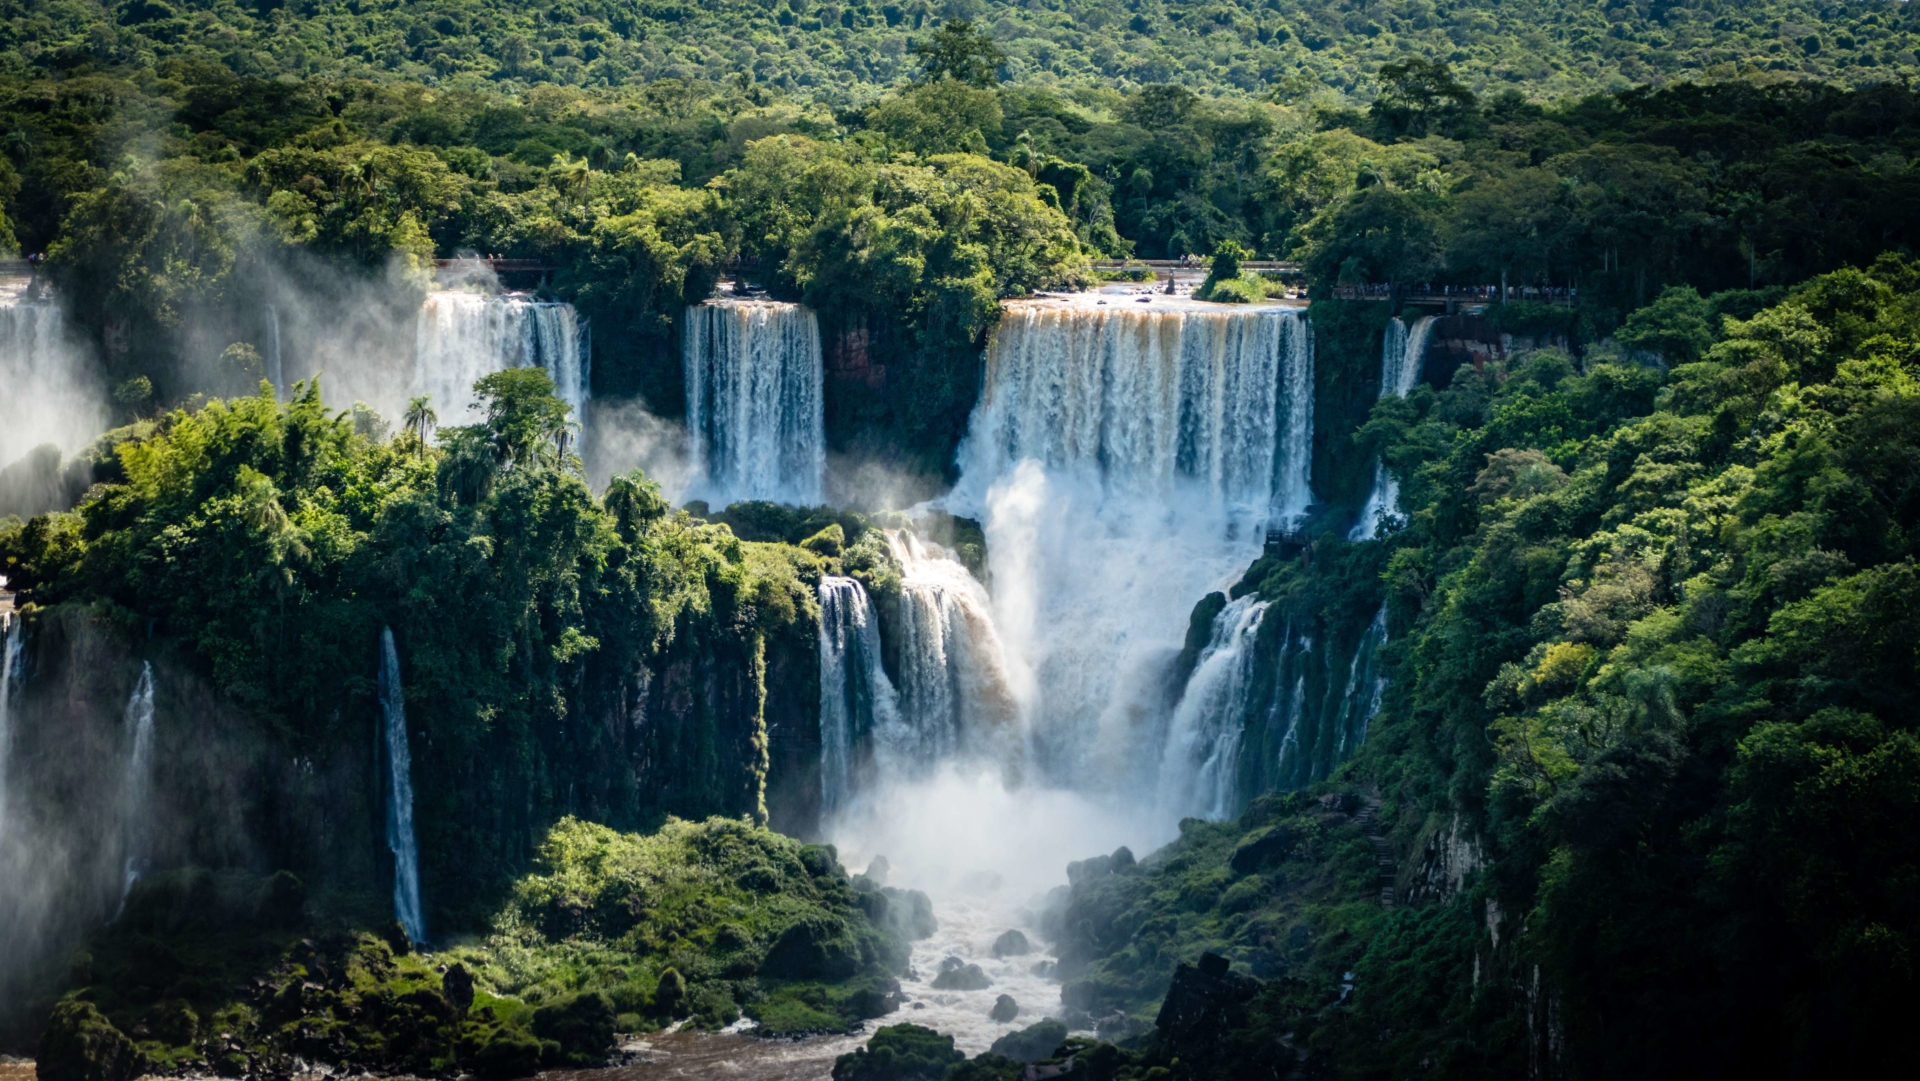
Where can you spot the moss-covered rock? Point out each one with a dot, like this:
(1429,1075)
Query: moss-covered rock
(899,1053)
(82,1045)
(700,920)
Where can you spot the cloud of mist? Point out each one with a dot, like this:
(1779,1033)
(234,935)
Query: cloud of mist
(952,832)
(625,435)
(51,391)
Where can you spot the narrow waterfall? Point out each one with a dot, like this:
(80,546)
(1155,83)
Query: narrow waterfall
(1366,683)
(48,392)
(276,368)
(10,651)
(1125,461)
(462,336)
(955,697)
(755,408)
(1199,768)
(1401,355)
(406,857)
(138,782)
(856,698)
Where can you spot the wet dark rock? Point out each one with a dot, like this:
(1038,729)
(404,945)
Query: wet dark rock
(1204,1001)
(1011,944)
(1005,1009)
(1262,848)
(1032,1043)
(960,976)
(82,1045)
(909,913)
(1046,969)
(457,986)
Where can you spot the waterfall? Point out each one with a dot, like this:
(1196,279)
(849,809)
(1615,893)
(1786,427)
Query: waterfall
(1401,355)
(1125,461)
(47,388)
(276,370)
(1365,685)
(1199,768)
(954,696)
(1153,401)
(462,336)
(138,782)
(755,412)
(856,698)
(406,857)
(10,650)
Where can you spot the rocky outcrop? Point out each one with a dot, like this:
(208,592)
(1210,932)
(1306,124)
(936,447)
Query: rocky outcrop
(1204,1002)
(81,1045)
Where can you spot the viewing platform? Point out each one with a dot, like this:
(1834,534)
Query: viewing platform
(1163,269)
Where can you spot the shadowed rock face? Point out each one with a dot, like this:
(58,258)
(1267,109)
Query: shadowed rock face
(1205,999)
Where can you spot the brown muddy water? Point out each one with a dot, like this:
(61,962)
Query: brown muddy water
(673,1055)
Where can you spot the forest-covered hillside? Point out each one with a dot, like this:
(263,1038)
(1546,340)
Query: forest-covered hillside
(177,197)
(843,53)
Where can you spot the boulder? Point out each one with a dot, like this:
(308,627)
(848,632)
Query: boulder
(1012,944)
(1261,848)
(80,1044)
(1033,1043)
(957,975)
(457,985)
(1005,1009)
(1203,1002)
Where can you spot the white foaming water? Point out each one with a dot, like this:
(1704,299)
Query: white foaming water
(406,857)
(10,649)
(1402,353)
(1200,768)
(755,407)
(856,697)
(276,367)
(1125,461)
(462,336)
(48,390)
(137,783)
(1365,686)
(956,699)
(987,853)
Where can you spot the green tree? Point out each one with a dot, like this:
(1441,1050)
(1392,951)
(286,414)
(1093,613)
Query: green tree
(958,51)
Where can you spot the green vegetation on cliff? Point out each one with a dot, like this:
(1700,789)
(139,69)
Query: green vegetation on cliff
(611,933)
(561,653)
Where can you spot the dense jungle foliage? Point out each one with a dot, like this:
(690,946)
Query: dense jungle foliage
(562,653)
(839,52)
(611,933)
(1641,782)
(178,191)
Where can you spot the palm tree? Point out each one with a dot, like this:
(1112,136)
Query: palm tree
(420,419)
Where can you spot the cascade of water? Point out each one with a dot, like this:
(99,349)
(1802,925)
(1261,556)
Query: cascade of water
(1401,355)
(1153,401)
(955,696)
(462,336)
(856,698)
(10,652)
(276,369)
(1124,462)
(1365,685)
(1198,770)
(406,857)
(755,407)
(49,393)
(138,781)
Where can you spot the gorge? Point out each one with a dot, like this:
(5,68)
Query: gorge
(1234,545)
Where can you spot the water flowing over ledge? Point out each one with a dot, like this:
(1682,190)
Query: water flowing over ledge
(1125,460)
(406,855)
(756,420)
(1402,354)
(462,336)
(48,392)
